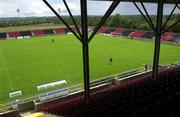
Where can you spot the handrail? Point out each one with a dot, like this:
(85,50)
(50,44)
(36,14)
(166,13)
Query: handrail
(94,83)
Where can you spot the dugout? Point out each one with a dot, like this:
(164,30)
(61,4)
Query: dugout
(26,33)
(3,36)
(48,31)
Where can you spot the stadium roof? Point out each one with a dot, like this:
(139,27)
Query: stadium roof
(85,39)
(145,1)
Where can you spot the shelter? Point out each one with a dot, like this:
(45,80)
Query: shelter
(82,36)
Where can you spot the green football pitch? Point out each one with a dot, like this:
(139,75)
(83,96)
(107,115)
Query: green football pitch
(26,63)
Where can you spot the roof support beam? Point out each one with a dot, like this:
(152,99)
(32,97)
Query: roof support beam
(148,19)
(178,7)
(70,14)
(147,14)
(170,27)
(169,17)
(61,19)
(83,37)
(145,1)
(104,18)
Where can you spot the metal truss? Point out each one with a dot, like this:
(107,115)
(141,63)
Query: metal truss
(61,19)
(159,29)
(83,37)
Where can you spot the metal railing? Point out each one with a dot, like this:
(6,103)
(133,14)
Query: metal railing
(79,87)
(3,108)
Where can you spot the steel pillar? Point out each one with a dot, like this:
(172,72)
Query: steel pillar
(85,48)
(158,38)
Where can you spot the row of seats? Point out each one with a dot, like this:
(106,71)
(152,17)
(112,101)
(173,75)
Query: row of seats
(136,34)
(168,36)
(103,30)
(118,31)
(13,113)
(32,33)
(139,97)
(148,35)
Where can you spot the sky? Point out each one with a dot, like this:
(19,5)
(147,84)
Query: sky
(29,8)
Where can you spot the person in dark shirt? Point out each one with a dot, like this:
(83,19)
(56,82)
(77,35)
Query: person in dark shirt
(145,67)
(110,60)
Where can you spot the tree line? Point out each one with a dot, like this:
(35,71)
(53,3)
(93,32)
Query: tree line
(130,22)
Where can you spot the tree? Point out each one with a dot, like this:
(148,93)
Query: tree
(114,21)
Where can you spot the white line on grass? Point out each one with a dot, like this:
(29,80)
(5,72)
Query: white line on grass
(6,69)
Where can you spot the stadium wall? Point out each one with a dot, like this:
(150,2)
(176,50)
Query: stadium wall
(131,33)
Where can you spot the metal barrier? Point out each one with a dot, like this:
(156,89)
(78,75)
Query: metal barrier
(79,87)
(3,108)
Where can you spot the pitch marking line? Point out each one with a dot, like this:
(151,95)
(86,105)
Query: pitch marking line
(6,70)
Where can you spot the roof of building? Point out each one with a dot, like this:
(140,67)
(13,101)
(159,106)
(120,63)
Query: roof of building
(146,1)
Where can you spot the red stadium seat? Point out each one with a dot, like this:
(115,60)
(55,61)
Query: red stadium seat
(137,97)
(38,32)
(137,34)
(118,31)
(59,31)
(103,30)
(168,36)
(127,32)
(14,34)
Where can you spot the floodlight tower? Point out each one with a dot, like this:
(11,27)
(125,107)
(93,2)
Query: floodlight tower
(59,11)
(18,11)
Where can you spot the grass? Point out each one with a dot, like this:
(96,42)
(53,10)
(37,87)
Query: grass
(30,62)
